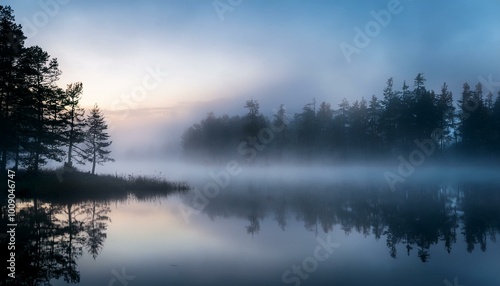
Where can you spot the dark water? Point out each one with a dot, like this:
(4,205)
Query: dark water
(286,231)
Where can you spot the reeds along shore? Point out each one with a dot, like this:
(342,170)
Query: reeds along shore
(77,185)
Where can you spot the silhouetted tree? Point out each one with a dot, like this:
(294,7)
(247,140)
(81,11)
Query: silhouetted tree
(359,128)
(306,130)
(391,115)
(214,136)
(74,132)
(280,127)
(363,129)
(324,118)
(11,48)
(37,118)
(341,125)
(97,139)
(254,121)
(374,133)
(474,126)
(41,140)
(424,110)
(467,104)
(446,114)
(486,122)
(419,83)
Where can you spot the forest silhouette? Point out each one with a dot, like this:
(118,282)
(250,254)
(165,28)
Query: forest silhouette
(397,123)
(40,121)
(63,216)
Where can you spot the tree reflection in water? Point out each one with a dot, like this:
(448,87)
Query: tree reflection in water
(50,238)
(415,217)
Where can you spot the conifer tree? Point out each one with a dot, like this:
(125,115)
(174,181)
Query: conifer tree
(11,47)
(97,139)
(75,128)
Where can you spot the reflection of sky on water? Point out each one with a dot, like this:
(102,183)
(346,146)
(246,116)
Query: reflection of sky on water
(152,242)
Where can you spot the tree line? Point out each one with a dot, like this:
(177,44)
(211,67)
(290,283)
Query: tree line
(40,121)
(358,130)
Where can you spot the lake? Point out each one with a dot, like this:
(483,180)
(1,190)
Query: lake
(273,227)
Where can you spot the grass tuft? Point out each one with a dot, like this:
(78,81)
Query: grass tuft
(74,185)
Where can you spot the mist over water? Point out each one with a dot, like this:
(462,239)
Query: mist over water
(198,172)
(256,227)
(233,142)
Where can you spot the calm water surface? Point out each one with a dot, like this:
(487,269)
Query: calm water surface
(265,231)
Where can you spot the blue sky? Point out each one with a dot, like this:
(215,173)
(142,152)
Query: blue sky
(108,45)
(274,51)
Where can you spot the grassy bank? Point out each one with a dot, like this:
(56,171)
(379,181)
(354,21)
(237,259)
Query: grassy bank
(76,185)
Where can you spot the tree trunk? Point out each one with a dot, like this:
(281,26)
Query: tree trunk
(93,162)
(37,155)
(71,134)
(69,153)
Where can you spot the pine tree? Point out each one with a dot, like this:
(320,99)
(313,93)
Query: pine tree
(75,123)
(280,123)
(466,106)
(254,120)
(341,127)
(407,117)
(374,134)
(391,117)
(97,139)
(446,112)
(418,82)
(306,129)
(11,47)
(40,106)
(358,129)
(322,127)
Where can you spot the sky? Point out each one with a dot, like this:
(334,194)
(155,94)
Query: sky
(166,64)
